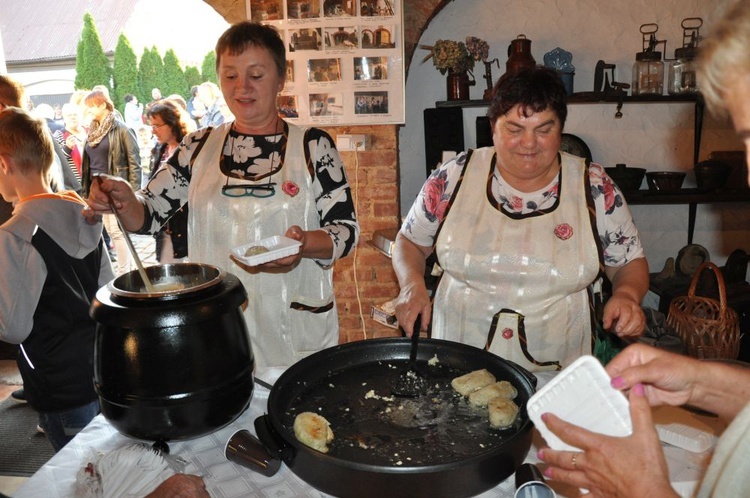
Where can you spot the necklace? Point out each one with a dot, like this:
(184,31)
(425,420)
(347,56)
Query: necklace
(262,190)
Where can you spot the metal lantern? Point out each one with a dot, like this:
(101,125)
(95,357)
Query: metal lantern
(648,70)
(682,78)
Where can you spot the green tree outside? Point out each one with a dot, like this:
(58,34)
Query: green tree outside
(174,76)
(208,68)
(150,74)
(192,77)
(124,72)
(92,64)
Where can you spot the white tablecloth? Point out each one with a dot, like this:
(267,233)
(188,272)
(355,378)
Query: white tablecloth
(224,479)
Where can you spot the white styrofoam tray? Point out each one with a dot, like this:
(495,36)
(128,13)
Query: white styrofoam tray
(581,395)
(686,430)
(278,247)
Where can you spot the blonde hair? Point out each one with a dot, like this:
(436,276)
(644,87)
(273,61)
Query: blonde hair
(78,97)
(27,140)
(69,108)
(211,89)
(725,54)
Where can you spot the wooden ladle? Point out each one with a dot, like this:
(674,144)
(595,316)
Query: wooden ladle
(141,271)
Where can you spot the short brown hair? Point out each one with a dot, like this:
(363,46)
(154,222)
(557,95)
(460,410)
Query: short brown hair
(533,90)
(27,140)
(242,35)
(11,92)
(173,116)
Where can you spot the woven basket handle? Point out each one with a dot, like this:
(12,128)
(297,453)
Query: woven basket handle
(719,281)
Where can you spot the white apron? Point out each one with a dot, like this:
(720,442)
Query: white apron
(289,315)
(527,266)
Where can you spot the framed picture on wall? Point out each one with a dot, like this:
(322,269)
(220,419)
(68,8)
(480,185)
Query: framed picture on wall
(345,59)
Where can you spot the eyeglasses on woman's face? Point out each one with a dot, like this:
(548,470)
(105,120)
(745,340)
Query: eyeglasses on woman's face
(157,126)
(261,190)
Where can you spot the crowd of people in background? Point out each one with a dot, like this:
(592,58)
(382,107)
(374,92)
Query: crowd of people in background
(204,106)
(71,126)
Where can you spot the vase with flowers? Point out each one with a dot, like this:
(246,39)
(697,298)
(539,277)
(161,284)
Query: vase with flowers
(480,51)
(453,57)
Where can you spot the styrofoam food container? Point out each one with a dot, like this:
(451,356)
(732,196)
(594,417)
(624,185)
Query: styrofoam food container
(581,395)
(278,247)
(685,430)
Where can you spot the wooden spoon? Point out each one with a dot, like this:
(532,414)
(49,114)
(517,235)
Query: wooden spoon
(141,271)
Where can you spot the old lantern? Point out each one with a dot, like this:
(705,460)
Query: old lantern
(681,77)
(648,70)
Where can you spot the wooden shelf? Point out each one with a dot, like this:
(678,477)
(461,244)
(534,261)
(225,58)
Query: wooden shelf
(687,196)
(595,98)
(690,196)
(601,98)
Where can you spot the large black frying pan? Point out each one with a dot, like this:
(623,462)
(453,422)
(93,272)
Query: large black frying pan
(434,445)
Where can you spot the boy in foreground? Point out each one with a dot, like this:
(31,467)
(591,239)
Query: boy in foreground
(53,263)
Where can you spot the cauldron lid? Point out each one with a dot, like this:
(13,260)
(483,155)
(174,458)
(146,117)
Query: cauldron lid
(191,277)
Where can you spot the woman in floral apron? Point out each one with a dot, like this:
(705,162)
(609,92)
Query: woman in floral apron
(522,233)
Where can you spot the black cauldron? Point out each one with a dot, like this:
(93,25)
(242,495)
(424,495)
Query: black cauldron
(175,363)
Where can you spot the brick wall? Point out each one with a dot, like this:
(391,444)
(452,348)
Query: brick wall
(373,175)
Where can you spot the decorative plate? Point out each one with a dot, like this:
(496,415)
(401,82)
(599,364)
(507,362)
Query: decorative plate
(690,258)
(574,145)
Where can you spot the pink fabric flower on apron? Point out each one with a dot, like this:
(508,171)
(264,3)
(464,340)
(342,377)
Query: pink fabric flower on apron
(563,231)
(290,188)
(507,333)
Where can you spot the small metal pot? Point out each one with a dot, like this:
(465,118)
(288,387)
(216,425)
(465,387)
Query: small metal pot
(174,364)
(712,174)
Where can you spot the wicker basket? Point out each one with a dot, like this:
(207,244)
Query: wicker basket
(710,328)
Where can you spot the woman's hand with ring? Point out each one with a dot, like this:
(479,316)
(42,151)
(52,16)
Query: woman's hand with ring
(632,466)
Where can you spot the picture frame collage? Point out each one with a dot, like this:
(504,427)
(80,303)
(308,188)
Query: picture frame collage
(345,59)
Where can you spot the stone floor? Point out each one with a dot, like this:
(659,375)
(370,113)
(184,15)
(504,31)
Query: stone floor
(145,246)
(9,484)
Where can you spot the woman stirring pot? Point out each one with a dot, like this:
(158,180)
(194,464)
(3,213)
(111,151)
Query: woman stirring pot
(251,178)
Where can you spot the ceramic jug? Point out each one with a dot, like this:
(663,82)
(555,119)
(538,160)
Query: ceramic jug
(519,54)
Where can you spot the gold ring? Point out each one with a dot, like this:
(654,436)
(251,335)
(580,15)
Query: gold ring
(573,460)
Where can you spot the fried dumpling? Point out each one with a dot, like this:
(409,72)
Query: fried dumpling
(472,381)
(502,389)
(313,430)
(503,412)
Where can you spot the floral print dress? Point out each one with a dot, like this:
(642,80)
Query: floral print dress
(253,158)
(244,188)
(618,235)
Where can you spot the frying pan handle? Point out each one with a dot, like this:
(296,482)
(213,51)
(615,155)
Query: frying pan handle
(530,376)
(272,440)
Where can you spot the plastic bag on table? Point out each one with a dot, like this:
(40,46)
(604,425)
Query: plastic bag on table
(132,470)
(659,334)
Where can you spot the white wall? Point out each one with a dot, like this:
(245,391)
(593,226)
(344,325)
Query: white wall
(3,69)
(656,137)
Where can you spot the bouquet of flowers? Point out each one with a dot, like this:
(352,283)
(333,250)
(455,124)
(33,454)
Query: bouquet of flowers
(478,49)
(449,55)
